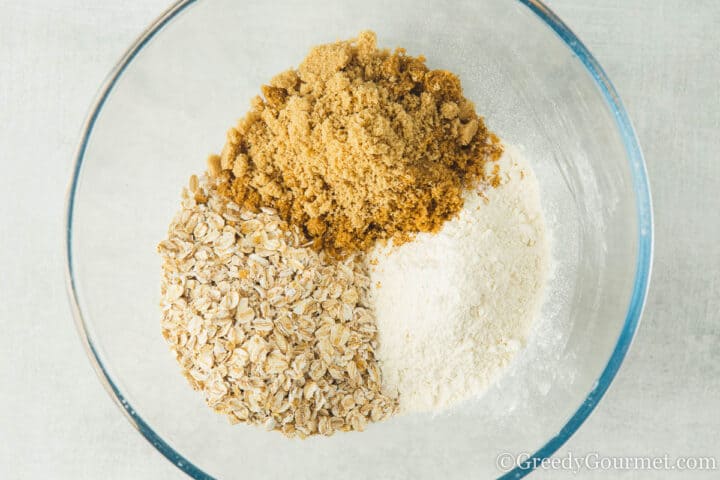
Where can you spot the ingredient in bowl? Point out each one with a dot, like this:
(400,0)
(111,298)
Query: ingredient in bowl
(357,145)
(271,331)
(454,308)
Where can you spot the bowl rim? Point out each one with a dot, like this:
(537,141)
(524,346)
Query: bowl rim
(643,205)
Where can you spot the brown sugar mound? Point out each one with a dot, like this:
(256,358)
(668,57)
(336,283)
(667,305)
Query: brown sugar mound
(357,145)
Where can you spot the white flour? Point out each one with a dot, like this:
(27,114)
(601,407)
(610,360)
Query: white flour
(455,307)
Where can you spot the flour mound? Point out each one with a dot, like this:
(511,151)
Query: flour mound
(453,308)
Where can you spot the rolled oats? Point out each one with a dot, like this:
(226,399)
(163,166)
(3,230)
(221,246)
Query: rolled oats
(272,332)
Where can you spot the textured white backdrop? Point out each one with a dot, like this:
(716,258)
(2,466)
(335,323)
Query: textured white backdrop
(57,422)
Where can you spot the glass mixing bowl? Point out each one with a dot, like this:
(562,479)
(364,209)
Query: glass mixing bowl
(192,74)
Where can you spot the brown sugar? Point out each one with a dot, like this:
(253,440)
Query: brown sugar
(357,145)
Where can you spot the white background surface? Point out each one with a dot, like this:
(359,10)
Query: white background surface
(56,421)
